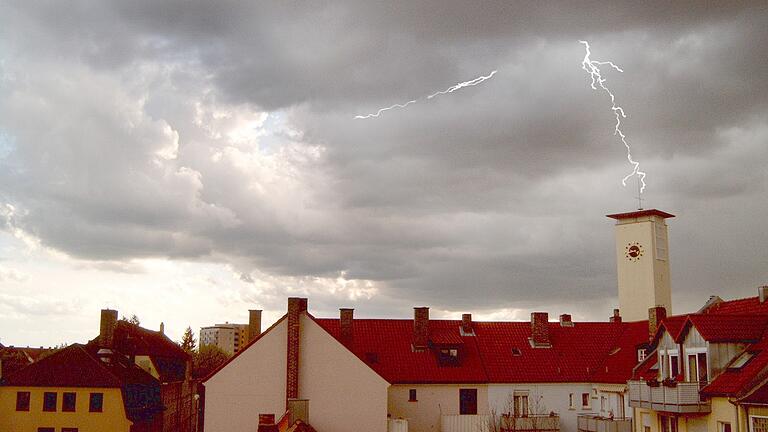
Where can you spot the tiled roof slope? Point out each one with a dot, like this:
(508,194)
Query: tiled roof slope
(77,366)
(586,352)
(749,305)
(728,328)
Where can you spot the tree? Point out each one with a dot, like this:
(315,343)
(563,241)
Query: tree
(188,342)
(520,414)
(206,359)
(134,319)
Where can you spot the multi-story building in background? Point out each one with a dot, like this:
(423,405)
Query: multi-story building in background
(231,338)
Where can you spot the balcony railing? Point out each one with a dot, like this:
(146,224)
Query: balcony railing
(682,397)
(592,423)
(464,423)
(538,422)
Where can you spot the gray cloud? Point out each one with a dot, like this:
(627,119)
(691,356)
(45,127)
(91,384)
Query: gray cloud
(120,117)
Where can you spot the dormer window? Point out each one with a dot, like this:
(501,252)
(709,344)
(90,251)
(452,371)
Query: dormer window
(448,356)
(516,352)
(640,354)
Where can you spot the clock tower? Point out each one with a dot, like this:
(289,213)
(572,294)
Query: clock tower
(642,262)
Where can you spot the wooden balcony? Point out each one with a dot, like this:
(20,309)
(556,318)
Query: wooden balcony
(592,423)
(681,398)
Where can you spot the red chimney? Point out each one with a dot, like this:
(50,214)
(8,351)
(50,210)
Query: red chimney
(267,423)
(616,318)
(466,325)
(296,306)
(420,328)
(346,318)
(540,330)
(566,321)
(656,315)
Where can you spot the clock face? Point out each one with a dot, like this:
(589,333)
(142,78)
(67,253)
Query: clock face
(633,251)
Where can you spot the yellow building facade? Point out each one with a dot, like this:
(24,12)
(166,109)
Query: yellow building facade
(111,416)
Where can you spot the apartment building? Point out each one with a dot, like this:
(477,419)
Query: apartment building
(231,338)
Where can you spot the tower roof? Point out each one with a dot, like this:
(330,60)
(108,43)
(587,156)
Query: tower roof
(640,213)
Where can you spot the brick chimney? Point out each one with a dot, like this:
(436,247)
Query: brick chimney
(162,327)
(420,328)
(566,321)
(466,325)
(107,328)
(346,317)
(616,318)
(540,330)
(762,293)
(656,315)
(254,323)
(267,423)
(296,306)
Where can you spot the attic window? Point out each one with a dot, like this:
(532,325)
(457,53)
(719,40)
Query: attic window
(516,352)
(448,356)
(741,360)
(371,357)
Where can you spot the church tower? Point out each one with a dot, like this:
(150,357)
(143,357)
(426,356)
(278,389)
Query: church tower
(642,262)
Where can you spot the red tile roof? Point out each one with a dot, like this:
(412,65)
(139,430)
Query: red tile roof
(749,305)
(726,328)
(585,352)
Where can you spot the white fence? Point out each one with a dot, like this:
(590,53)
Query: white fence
(464,423)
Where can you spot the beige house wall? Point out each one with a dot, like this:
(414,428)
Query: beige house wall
(345,395)
(723,411)
(433,401)
(252,383)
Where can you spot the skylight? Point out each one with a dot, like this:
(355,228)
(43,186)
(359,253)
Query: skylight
(741,360)
(516,352)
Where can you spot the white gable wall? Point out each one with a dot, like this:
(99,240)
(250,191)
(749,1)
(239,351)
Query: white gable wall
(251,384)
(345,395)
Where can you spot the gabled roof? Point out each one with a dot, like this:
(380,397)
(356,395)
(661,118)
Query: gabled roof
(76,366)
(738,381)
(586,352)
(726,328)
(749,305)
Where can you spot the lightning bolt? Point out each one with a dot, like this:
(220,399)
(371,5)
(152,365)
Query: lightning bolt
(470,83)
(378,113)
(592,67)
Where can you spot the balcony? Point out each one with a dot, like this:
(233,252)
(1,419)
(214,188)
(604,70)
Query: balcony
(464,423)
(681,398)
(538,422)
(592,423)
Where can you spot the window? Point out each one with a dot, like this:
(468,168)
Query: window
(412,395)
(68,402)
(96,403)
(602,403)
(570,401)
(741,360)
(468,401)
(674,367)
(640,354)
(46,429)
(449,356)
(69,430)
(723,427)
(22,401)
(49,401)
(585,400)
(759,424)
(668,423)
(702,364)
(516,352)
(520,407)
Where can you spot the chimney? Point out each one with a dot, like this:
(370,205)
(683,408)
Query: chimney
(616,318)
(566,321)
(296,306)
(540,330)
(162,327)
(420,328)
(656,315)
(346,317)
(107,328)
(763,293)
(267,423)
(466,325)
(254,323)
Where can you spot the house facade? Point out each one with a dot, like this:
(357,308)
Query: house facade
(708,371)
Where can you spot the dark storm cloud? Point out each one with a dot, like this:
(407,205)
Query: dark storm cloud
(495,190)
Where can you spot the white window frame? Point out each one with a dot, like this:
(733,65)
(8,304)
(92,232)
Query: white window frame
(570,401)
(589,401)
(696,352)
(641,355)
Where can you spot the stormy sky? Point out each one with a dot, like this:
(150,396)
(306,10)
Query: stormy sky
(188,160)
